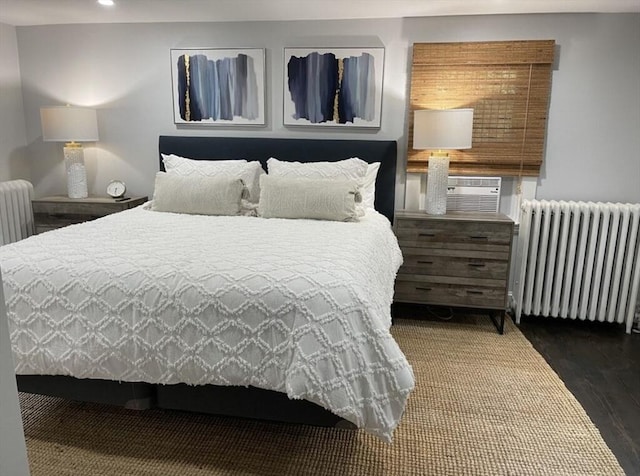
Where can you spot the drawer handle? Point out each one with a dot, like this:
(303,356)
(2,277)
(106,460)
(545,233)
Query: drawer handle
(424,262)
(428,235)
(478,237)
(473,291)
(420,288)
(477,265)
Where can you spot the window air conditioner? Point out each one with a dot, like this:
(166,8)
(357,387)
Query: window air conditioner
(473,194)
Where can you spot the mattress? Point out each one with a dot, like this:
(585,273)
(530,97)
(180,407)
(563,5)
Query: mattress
(297,306)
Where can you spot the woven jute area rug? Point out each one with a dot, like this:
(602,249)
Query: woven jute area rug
(484,404)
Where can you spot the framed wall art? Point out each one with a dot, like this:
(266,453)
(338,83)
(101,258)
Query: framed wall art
(339,87)
(215,86)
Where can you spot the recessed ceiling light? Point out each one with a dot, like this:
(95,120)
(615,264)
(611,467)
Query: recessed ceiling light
(106,3)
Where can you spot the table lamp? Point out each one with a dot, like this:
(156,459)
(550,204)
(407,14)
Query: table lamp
(441,130)
(71,125)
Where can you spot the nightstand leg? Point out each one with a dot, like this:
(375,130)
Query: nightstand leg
(499,325)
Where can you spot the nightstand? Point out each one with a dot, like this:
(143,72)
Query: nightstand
(459,259)
(55,212)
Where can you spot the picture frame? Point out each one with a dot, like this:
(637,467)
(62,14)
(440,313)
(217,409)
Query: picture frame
(333,87)
(218,86)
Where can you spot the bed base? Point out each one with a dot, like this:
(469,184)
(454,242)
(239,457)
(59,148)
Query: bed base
(131,395)
(244,402)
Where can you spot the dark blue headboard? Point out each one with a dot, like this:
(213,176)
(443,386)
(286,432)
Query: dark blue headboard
(301,150)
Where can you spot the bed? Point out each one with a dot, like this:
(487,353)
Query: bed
(301,316)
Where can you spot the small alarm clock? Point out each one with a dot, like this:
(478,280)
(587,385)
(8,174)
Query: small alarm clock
(116,189)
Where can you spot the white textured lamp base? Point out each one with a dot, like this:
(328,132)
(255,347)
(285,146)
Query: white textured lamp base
(76,172)
(437,181)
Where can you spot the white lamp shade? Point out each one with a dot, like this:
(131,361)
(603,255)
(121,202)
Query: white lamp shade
(443,129)
(69,124)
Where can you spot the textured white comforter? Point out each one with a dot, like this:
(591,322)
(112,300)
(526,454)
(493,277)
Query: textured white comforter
(297,306)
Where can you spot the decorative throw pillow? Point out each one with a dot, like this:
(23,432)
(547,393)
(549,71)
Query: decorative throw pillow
(347,169)
(320,199)
(198,195)
(249,172)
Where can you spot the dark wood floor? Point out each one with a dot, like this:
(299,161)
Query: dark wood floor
(598,363)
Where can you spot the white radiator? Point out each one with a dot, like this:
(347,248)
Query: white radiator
(579,260)
(16,213)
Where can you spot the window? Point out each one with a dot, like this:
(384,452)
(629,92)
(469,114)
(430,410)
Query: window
(507,83)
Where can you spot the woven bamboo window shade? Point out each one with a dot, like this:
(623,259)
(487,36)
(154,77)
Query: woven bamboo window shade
(507,83)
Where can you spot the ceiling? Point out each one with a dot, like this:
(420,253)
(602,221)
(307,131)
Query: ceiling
(51,12)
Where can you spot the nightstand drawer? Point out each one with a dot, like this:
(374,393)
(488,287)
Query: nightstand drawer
(449,294)
(446,265)
(489,236)
(44,222)
(56,212)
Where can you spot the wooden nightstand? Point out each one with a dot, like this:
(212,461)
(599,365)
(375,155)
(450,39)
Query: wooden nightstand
(55,212)
(458,259)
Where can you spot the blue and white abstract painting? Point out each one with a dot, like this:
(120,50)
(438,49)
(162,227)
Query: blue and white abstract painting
(218,86)
(333,87)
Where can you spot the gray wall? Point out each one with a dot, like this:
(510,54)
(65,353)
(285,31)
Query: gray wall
(13,451)
(593,144)
(13,139)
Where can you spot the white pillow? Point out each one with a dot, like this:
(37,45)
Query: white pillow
(186,166)
(249,172)
(200,195)
(369,185)
(323,199)
(348,169)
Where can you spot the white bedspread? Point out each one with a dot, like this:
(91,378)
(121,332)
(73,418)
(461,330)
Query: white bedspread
(297,306)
